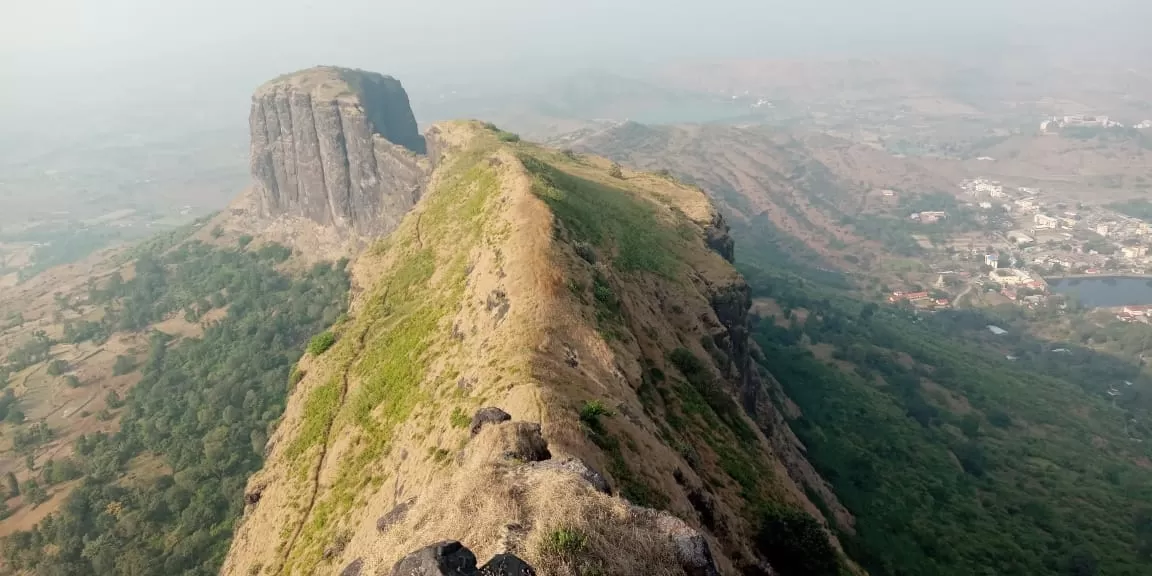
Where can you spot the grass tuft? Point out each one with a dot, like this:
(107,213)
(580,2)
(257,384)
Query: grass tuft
(321,342)
(591,412)
(459,418)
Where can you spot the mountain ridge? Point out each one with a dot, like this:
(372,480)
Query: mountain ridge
(591,309)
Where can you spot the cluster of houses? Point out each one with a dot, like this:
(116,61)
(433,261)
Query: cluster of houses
(1047,228)
(982,186)
(1078,121)
(929,217)
(1135,314)
(917,298)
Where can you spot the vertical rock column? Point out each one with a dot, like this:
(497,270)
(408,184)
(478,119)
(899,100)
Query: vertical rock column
(339,147)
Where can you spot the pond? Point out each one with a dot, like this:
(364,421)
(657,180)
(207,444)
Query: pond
(1105,292)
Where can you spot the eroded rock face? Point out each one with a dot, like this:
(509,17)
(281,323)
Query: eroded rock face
(719,240)
(336,146)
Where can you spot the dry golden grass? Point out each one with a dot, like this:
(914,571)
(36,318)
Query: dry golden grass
(480,299)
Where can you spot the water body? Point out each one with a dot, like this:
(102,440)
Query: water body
(1105,292)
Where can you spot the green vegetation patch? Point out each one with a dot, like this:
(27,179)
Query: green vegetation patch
(631,485)
(934,489)
(321,342)
(608,217)
(389,347)
(204,405)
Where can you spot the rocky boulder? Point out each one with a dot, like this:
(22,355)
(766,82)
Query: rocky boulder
(448,558)
(489,415)
(336,146)
(451,558)
(506,565)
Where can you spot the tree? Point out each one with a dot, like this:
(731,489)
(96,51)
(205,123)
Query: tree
(15,416)
(123,365)
(616,171)
(57,367)
(12,485)
(1083,563)
(113,400)
(796,545)
(35,493)
(970,425)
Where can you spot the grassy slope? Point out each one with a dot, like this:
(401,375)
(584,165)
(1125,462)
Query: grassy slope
(428,342)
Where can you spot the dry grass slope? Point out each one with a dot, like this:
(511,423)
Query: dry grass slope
(533,281)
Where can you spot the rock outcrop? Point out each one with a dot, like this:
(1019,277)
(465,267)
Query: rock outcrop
(337,146)
(451,558)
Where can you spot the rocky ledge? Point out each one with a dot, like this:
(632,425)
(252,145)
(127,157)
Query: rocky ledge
(337,146)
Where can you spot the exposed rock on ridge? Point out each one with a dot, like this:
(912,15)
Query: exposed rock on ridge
(612,338)
(337,146)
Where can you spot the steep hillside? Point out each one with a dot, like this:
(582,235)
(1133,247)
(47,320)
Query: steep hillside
(597,309)
(805,190)
(138,395)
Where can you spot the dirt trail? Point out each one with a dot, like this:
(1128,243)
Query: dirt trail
(323,460)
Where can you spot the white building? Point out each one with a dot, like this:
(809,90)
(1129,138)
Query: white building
(1043,221)
(1103,230)
(1010,277)
(986,205)
(930,217)
(1027,205)
(1134,251)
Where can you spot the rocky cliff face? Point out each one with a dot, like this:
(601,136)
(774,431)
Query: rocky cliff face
(337,146)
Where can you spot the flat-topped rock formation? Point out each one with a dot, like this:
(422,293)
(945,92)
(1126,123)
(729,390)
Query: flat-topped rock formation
(337,146)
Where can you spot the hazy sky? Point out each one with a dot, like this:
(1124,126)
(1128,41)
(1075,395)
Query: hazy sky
(123,54)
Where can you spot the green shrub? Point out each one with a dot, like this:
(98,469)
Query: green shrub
(565,544)
(113,400)
(57,367)
(508,136)
(459,419)
(321,342)
(795,545)
(438,455)
(591,412)
(123,365)
(296,376)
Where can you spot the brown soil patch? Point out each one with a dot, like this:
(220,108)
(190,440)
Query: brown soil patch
(24,516)
(826,352)
(176,325)
(767,307)
(956,403)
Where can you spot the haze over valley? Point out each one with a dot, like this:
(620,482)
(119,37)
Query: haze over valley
(587,289)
